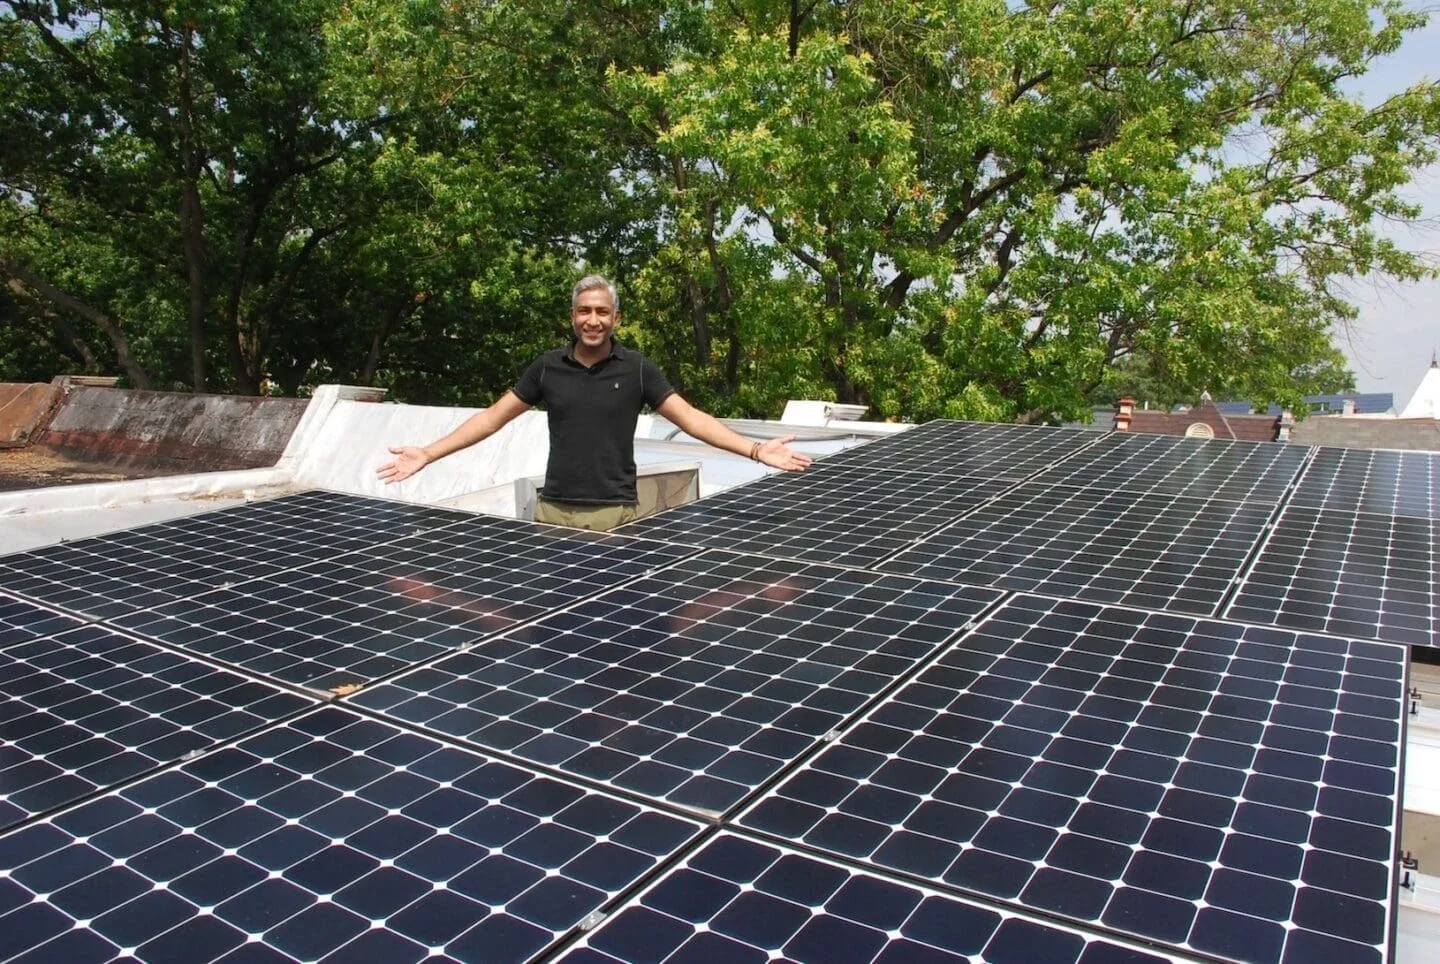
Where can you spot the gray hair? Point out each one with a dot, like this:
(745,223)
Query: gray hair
(589,283)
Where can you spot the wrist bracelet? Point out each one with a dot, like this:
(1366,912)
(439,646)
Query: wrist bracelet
(755,452)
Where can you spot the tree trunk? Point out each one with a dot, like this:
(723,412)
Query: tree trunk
(18,273)
(388,326)
(247,366)
(192,222)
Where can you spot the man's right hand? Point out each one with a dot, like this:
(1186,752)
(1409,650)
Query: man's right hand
(408,460)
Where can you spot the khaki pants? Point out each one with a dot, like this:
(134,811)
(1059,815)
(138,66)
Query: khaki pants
(601,518)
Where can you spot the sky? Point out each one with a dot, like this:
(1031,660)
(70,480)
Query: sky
(1399,324)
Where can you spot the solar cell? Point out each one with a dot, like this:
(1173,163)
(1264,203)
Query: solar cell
(361,617)
(839,514)
(692,685)
(119,573)
(90,708)
(1349,573)
(22,621)
(986,450)
(744,901)
(1224,789)
(1197,468)
(1159,551)
(1361,480)
(329,835)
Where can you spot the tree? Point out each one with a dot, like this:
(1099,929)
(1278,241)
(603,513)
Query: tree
(189,142)
(990,206)
(969,208)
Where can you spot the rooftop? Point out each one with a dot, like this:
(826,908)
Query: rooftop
(763,680)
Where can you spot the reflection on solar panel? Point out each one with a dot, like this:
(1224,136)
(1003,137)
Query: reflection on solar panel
(23,621)
(372,613)
(1201,469)
(692,686)
(1223,789)
(156,564)
(846,515)
(90,708)
(740,900)
(1358,480)
(1355,574)
(1164,552)
(329,834)
(972,449)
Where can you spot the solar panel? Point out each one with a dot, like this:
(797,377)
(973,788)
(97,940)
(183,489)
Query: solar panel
(1159,551)
(971,449)
(90,708)
(331,834)
(367,615)
(22,621)
(155,564)
(1223,789)
(1360,480)
(1350,573)
(840,514)
(1197,468)
(742,900)
(693,685)
(1075,780)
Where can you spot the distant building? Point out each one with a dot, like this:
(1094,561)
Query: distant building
(1425,403)
(1205,420)
(1361,403)
(1362,421)
(1417,426)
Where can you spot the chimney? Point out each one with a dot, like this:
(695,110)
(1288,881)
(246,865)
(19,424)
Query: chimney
(1283,425)
(1348,407)
(1124,414)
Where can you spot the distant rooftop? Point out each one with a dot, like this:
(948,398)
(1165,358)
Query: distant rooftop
(1366,403)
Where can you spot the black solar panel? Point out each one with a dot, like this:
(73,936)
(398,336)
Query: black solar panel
(1159,551)
(22,621)
(741,900)
(1196,468)
(364,616)
(985,450)
(1224,789)
(693,685)
(845,515)
(879,779)
(90,708)
(330,835)
(1354,574)
(156,564)
(1359,480)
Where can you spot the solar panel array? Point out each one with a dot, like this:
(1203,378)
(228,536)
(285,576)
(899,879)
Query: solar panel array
(1223,789)
(1166,552)
(965,693)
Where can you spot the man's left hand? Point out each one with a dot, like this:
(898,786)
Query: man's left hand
(778,454)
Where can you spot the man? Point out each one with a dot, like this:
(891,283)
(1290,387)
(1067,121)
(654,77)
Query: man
(593,391)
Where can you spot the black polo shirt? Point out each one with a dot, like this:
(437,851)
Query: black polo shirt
(592,414)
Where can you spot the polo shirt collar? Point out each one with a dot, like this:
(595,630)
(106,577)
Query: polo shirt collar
(617,351)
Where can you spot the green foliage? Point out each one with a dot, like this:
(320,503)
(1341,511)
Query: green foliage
(960,208)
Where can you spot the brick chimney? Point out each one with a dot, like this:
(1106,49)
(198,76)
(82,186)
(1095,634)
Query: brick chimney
(1124,414)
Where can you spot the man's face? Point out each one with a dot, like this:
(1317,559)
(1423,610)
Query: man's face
(594,318)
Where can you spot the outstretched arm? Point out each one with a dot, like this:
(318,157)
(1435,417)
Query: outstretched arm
(775,452)
(410,459)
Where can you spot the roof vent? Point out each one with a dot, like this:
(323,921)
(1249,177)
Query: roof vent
(807,412)
(837,412)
